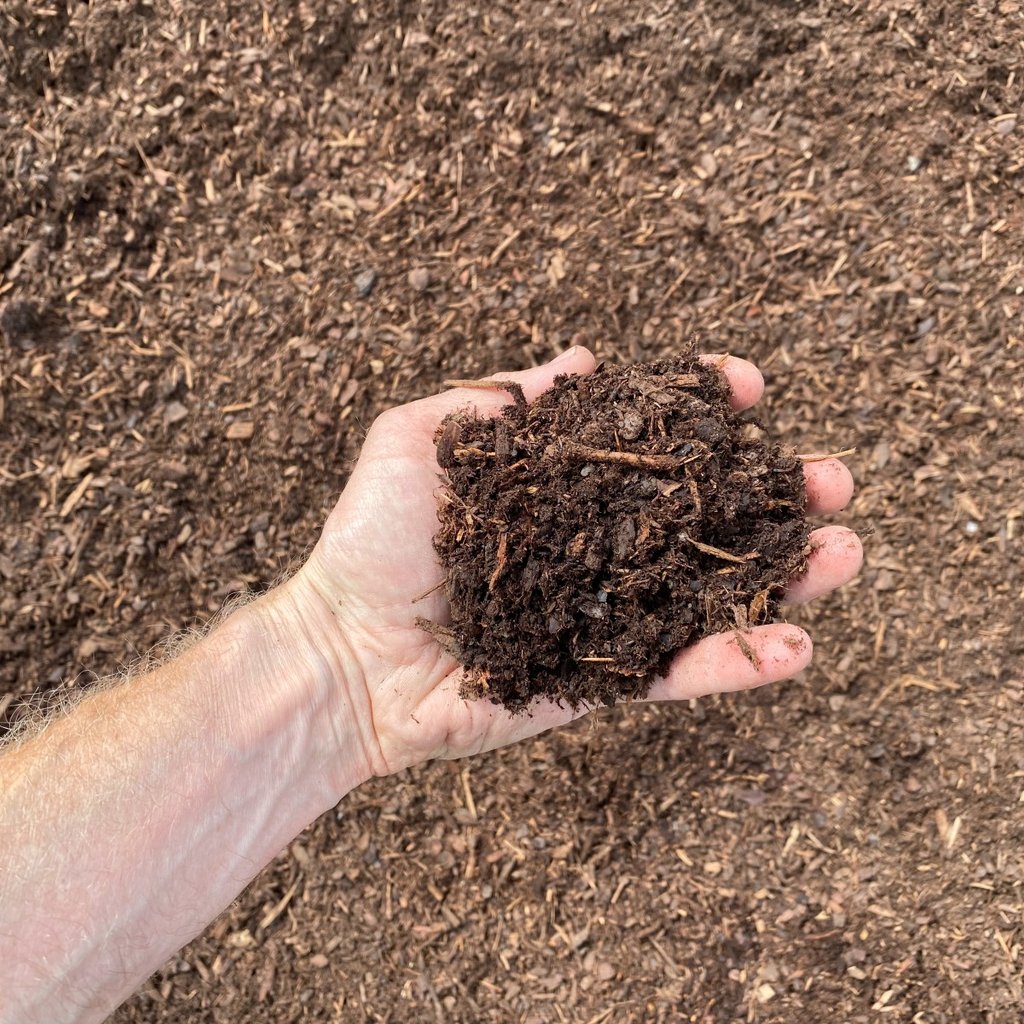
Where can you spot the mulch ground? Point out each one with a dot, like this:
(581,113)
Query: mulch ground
(245,229)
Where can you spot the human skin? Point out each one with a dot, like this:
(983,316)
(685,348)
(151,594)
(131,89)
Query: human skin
(130,822)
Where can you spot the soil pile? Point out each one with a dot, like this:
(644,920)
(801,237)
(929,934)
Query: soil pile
(620,517)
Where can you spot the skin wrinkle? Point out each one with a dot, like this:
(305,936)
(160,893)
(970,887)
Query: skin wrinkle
(373,753)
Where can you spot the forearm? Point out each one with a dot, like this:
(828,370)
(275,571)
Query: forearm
(129,824)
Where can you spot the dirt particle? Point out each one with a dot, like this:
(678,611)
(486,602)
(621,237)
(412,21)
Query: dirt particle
(797,644)
(240,430)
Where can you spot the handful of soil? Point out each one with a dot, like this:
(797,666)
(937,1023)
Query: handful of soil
(621,516)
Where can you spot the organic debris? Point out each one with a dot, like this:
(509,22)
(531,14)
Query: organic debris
(591,535)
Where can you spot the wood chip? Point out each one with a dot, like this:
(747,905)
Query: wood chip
(76,495)
(240,430)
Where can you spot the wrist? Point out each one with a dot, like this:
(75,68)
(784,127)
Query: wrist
(295,676)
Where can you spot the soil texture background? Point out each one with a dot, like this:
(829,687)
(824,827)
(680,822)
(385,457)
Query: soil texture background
(231,234)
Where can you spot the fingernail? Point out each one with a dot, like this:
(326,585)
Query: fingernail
(565,356)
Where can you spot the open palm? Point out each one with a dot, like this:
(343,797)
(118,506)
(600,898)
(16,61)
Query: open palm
(376,573)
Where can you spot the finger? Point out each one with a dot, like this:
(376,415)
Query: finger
(536,380)
(732,661)
(746,385)
(717,664)
(829,486)
(488,402)
(836,557)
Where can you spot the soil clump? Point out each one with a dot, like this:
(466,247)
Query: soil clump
(620,517)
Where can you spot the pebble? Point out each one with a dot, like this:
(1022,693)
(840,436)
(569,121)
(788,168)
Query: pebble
(913,164)
(419,278)
(365,282)
(174,412)
(631,425)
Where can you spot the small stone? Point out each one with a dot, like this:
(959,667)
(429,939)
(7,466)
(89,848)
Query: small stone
(913,164)
(765,993)
(709,165)
(318,960)
(605,971)
(1006,126)
(258,524)
(971,527)
(365,282)
(174,412)
(419,278)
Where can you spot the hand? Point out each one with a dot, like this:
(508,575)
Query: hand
(375,562)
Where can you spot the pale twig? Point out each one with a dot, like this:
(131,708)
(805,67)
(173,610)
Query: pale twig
(821,457)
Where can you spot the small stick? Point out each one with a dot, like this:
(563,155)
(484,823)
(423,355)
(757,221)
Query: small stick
(433,590)
(585,453)
(596,659)
(500,561)
(830,455)
(461,453)
(747,651)
(444,636)
(514,389)
(708,549)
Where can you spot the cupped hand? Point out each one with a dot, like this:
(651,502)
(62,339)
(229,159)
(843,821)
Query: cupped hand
(374,572)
